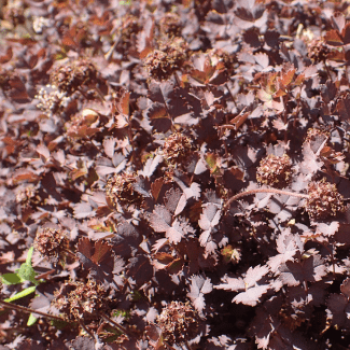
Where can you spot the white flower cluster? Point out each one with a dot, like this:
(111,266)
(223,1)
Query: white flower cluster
(39,23)
(52,100)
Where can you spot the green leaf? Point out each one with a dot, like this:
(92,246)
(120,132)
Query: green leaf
(29,256)
(31,320)
(11,278)
(21,294)
(26,272)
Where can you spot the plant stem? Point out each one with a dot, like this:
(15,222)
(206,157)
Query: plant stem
(29,310)
(118,326)
(86,329)
(265,190)
(45,274)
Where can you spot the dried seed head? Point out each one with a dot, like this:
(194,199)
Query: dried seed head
(178,322)
(50,240)
(129,29)
(80,301)
(316,137)
(5,77)
(170,56)
(324,200)
(170,24)
(177,147)
(71,77)
(275,171)
(27,195)
(229,61)
(121,188)
(318,51)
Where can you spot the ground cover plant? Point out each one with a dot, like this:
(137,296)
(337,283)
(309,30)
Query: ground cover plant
(174,174)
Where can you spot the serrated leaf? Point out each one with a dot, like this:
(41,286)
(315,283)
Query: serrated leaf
(22,175)
(287,78)
(97,257)
(162,260)
(334,38)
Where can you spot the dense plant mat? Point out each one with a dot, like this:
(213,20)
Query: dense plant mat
(174,174)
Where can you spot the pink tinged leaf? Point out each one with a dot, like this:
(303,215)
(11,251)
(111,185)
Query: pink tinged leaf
(151,166)
(83,343)
(175,232)
(102,170)
(201,166)
(83,210)
(262,59)
(327,230)
(279,125)
(252,296)
(209,218)
(255,274)
(160,219)
(207,286)
(311,163)
(186,119)
(180,205)
(210,247)
(232,284)
(160,243)
(121,121)
(188,192)
(287,247)
(210,98)
(97,199)
(199,286)
(251,291)
(311,269)
(339,21)
(43,151)
(261,21)
(193,191)
(151,315)
(40,303)
(199,302)
(264,96)
(203,238)
(345,287)
(109,146)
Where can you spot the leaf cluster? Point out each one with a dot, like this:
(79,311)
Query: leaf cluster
(181,169)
